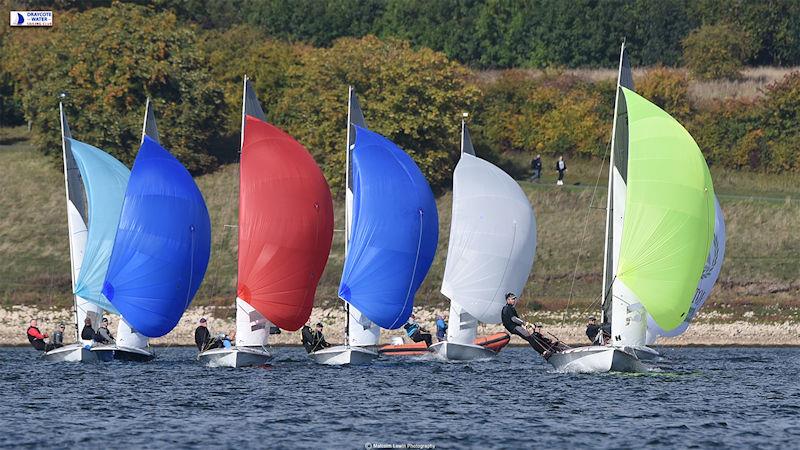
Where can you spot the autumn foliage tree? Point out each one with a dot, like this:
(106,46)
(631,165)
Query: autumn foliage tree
(106,62)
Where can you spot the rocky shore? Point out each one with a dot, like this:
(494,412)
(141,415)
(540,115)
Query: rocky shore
(709,329)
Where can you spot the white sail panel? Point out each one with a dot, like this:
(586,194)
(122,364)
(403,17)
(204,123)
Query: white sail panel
(492,239)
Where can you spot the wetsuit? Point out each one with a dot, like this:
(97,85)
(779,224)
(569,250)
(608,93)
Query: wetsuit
(308,338)
(318,341)
(591,331)
(103,336)
(202,338)
(414,332)
(87,333)
(36,338)
(514,325)
(57,340)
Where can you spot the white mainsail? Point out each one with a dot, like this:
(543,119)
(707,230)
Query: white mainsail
(360,330)
(492,243)
(77,215)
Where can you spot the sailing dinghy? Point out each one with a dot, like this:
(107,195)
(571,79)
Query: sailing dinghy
(77,218)
(130,345)
(659,228)
(490,252)
(391,233)
(285,235)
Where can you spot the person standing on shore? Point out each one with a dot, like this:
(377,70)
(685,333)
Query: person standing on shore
(561,167)
(537,169)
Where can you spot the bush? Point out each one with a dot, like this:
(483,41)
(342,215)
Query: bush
(667,88)
(716,51)
(108,61)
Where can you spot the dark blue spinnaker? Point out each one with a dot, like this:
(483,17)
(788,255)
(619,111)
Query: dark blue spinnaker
(162,246)
(394,232)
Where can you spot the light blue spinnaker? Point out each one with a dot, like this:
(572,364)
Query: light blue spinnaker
(105,180)
(394,232)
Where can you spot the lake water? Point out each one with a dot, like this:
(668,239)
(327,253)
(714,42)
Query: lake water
(700,398)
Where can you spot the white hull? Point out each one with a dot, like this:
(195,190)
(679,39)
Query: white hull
(234,357)
(643,353)
(123,353)
(453,351)
(71,353)
(595,359)
(344,354)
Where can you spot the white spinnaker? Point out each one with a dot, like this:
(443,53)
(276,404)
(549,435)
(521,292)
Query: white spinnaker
(716,253)
(492,239)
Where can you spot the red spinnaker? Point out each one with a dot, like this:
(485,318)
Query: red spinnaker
(285,225)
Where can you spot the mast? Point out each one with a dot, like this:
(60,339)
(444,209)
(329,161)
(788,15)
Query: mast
(65,134)
(624,78)
(149,127)
(348,198)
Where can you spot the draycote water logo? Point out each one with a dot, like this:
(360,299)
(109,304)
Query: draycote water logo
(31,18)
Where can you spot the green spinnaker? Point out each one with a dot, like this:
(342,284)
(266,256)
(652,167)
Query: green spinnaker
(669,213)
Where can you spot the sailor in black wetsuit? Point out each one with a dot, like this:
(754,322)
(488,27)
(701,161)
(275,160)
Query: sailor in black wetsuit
(308,338)
(515,325)
(592,330)
(87,333)
(318,341)
(202,337)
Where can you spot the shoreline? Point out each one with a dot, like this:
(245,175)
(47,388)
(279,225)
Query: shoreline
(706,332)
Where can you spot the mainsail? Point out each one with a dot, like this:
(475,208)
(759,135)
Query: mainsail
(394,231)
(492,237)
(105,179)
(285,225)
(162,244)
(669,215)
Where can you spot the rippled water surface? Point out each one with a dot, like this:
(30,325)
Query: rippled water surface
(700,397)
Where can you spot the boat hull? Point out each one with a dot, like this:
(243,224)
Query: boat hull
(123,353)
(595,359)
(234,357)
(482,348)
(643,353)
(104,353)
(71,353)
(453,351)
(344,355)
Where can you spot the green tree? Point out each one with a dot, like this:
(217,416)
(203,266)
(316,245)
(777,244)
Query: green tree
(107,61)
(667,88)
(716,51)
(414,98)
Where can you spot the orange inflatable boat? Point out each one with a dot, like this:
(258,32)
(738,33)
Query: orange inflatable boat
(494,342)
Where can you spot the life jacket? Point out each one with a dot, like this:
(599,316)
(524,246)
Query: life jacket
(32,338)
(411,328)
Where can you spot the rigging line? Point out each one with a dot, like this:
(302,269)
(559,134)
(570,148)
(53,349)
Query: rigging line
(583,234)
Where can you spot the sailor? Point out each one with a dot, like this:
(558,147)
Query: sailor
(202,337)
(592,329)
(441,328)
(103,334)
(416,332)
(87,333)
(515,325)
(35,337)
(318,341)
(308,338)
(57,339)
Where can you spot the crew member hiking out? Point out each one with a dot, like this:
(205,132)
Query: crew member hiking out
(416,332)
(35,337)
(515,325)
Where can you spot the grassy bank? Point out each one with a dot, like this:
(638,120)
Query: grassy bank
(760,276)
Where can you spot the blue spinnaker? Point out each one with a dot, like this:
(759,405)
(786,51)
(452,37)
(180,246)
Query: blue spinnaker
(162,246)
(104,179)
(394,232)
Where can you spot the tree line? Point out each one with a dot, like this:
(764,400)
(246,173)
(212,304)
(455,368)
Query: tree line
(108,60)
